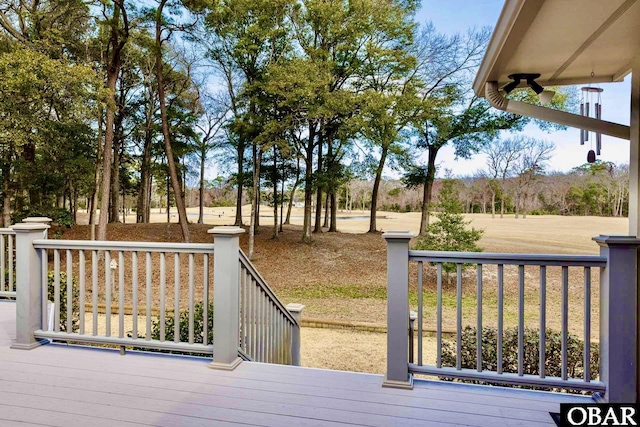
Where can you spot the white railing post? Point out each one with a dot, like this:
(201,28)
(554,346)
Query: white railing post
(226,297)
(296,312)
(619,317)
(28,284)
(398,310)
(37,220)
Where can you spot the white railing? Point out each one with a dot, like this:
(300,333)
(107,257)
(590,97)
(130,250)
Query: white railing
(7,263)
(147,272)
(266,326)
(483,262)
(618,316)
(122,294)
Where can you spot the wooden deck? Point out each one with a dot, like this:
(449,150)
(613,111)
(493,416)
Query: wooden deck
(59,385)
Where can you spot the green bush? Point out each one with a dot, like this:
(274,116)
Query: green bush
(450,232)
(63,299)
(60,216)
(198,325)
(531,362)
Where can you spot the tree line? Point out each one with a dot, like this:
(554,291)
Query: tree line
(106,99)
(598,189)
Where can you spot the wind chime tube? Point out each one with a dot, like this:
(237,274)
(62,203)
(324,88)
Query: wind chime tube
(598,135)
(582,130)
(586,111)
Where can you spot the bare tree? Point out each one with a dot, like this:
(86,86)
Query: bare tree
(502,156)
(528,169)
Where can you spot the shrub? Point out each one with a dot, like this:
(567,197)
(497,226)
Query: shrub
(60,216)
(198,325)
(63,299)
(450,232)
(553,352)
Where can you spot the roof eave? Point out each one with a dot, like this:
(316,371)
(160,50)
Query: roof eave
(513,23)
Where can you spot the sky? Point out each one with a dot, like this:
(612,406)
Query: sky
(451,16)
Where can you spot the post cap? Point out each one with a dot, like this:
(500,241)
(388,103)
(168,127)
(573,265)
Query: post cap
(34,226)
(616,239)
(226,229)
(37,219)
(398,234)
(295,308)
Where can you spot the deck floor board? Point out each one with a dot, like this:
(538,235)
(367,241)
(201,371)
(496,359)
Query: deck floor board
(59,385)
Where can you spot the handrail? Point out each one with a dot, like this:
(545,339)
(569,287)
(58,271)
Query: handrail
(508,259)
(7,231)
(99,245)
(266,288)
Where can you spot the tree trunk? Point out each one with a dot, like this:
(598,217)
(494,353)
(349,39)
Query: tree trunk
(376,188)
(175,182)
(113,71)
(274,178)
(493,205)
(240,171)
(254,199)
(517,197)
(334,214)
(308,185)
(203,155)
(293,192)
(142,205)
(428,190)
(325,223)
(317,228)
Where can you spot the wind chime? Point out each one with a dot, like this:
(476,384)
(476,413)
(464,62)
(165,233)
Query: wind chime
(590,94)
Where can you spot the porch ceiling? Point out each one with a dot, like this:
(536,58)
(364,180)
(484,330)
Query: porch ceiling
(563,40)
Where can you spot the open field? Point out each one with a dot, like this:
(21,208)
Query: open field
(342,276)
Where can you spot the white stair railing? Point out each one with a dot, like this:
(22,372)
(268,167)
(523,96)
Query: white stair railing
(267,328)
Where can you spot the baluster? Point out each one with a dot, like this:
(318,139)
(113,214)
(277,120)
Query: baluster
(439,316)
(107,286)
(459,317)
(163,297)
(134,293)
(176,296)
(81,273)
(121,294)
(500,316)
(94,292)
(12,258)
(148,264)
(420,309)
(263,341)
(56,289)
(479,321)
(45,289)
(69,328)
(205,297)
(543,319)
(2,263)
(254,319)
(269,330)
(521,320)
(243,308)
(565,318)
(191,291)
(82,290)
(587,324)
(246,308)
